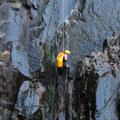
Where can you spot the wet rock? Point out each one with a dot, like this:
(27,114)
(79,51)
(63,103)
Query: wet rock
(118,106)
(31,3)
(7,74)
(98,79)
(6,83)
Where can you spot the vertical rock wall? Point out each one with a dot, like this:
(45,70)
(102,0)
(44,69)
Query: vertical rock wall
(29,28)
(90,23)
(97,86)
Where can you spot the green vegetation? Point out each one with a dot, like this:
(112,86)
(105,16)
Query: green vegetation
(104,74)
(47,52)
(13,0)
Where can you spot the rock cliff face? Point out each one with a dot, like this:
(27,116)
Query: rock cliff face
(22,26)
(97,86)
(33,30)
(90,23)
(9,86)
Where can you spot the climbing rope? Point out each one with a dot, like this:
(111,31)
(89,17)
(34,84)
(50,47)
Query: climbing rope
(65,87)
(64,94)
(53,97)
(63,23)
(66,79)
(66,73)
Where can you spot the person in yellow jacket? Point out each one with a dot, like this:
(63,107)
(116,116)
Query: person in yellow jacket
(61,61)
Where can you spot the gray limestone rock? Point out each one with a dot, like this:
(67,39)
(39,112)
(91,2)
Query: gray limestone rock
(35,27)
(100,82)
(29,98)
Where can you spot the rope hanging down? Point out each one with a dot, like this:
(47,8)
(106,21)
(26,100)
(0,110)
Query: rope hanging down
(62,10)
(63,24)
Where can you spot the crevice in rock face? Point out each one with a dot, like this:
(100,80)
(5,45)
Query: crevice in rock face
(10,82)
(84,95)
(81,5)
(96,86)
(118,106)
(18,80)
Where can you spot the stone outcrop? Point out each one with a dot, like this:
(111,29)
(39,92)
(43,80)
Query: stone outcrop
(8,86)
(21,24)
(14,94)
(29,98)
(97,85)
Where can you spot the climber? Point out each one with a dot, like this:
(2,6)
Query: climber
(61,62)
(66,53)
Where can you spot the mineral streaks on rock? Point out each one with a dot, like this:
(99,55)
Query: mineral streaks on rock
(97,84)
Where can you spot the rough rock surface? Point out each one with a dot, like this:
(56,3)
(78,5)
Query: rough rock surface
(32,30)
(29,98)
(8,86)
(21,26)
(12,96)
(90,22)
(97,85)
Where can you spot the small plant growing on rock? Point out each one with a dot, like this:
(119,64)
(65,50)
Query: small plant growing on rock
(13,0)
(47,52)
